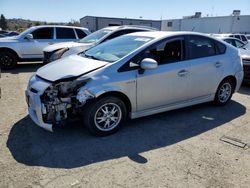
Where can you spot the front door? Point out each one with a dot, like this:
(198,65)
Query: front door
(33,48)
(169,83)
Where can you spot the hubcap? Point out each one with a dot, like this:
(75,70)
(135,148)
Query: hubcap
(6,60)
(108,116)
(225,92)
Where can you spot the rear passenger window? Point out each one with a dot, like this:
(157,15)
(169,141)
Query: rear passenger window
(81,34)
(65,33)
(243,38)
(237,36)
(200,47)
(43,33)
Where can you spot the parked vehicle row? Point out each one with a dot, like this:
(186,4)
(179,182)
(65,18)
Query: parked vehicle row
(4,33)
(57,51)
(133,75)
(123,72)
(29,45)
(241,37)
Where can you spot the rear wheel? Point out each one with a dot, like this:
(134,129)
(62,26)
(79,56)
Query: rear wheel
(8,60)
(224,92)
(104,116)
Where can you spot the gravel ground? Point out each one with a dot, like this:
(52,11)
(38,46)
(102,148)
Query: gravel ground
(181,148)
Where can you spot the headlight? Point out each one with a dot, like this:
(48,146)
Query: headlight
(58,54)
(83,95)
(32,79)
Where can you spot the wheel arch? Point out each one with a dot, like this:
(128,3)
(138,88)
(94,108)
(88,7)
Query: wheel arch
(9,50)
(232,78)
(119,95)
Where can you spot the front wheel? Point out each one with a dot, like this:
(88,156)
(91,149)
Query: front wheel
(224,92)
(8,60)
(104,116)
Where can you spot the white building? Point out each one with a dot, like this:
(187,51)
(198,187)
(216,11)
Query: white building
(222,24)
(94,23)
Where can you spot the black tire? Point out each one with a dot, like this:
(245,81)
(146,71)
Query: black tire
(94,112)
(8,60)
(224,92)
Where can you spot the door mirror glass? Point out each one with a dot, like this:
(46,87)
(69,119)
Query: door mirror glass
(29,37)
(149,64)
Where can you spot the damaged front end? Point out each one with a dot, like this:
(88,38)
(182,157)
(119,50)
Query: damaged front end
(63,100)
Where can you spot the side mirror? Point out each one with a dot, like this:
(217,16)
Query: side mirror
(148,64)
(29,37)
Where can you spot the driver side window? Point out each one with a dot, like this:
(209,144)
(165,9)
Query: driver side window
(164,53)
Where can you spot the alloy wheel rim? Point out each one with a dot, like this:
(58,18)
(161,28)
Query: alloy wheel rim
(6,60)
(225,92)
(108,116)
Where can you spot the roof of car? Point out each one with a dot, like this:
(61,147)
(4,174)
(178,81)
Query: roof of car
(162,34)
(225,37)
(64,26)
(146,28)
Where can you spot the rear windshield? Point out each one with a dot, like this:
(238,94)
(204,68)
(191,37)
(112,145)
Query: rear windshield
(96,36)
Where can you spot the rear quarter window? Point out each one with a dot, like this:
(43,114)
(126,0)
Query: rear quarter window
(244,38)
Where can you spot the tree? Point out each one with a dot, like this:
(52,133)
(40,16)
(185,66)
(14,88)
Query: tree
(37,23)
(3,22)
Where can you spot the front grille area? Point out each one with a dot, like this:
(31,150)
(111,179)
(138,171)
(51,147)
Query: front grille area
(246,71)
(246,61)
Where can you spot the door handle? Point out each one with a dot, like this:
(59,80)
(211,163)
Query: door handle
(182,73)
(218,64)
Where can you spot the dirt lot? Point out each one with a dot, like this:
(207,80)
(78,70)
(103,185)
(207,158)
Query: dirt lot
(181,148)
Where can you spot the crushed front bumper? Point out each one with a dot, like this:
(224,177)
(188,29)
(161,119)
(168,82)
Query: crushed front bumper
(246,67)
(46,57)
(35,109)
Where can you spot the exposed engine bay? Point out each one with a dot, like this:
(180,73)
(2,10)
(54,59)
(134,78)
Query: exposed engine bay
(60,101)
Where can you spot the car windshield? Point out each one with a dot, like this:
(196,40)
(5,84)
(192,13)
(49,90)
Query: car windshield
(247,46)
(96,36)
(25,32)
(117,48)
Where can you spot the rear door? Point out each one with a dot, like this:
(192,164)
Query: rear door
(42,37)
(206,65)
(65,34)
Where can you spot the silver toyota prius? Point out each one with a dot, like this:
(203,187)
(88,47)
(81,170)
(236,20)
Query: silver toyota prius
(132,76)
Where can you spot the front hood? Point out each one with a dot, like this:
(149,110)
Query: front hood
(61,45)
(72,66)
(9,39)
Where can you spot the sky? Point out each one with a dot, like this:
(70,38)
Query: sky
(66,10)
